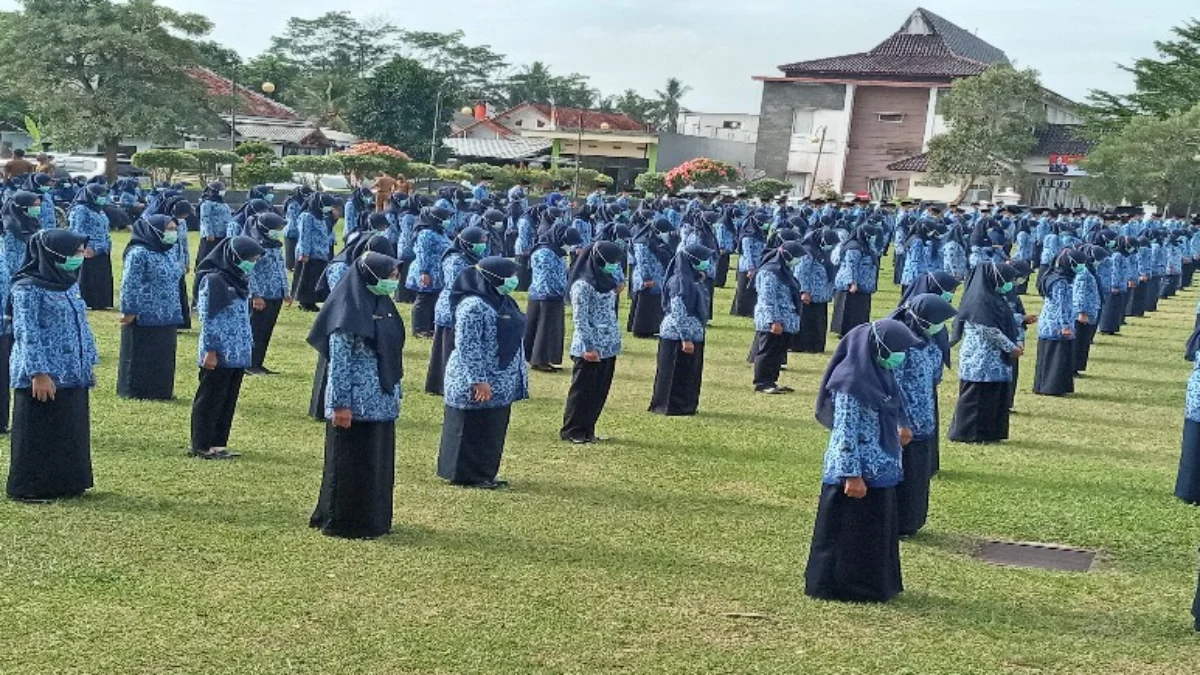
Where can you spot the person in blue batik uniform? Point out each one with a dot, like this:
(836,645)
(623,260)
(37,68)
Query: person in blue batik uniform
(360,334)
(652,252)
(1187,481)
(486,374)
(225,344)
(465,252)
(43,186)
(545,316)
(594,285)
(855,281)
(6,344)
(180,210)
(314,248)
(776,314)
(53,358)
(1054,374)
(252,208)
(751,241)
(292,207)
(855,552)
(926,316)
(989,335)
(215,215)
(150,311)
(1086,303)
(20,217)
(425,273)
(815,274)
(87,218)
(680,371)
(269,289)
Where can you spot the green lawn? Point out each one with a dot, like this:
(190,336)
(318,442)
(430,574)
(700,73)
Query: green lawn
(621,557)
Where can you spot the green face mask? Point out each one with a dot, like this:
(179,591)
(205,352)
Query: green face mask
(1006,287)
(34,211)
(269,197)
(101,201)
(277,235)
(170,237)
(935,328)
(947,296)
(1079,269)
(385,287)
(510,284)
(703,265)
(44,188)
(71,264)
(892,361)
(479,248)
(612,268)
(246,266)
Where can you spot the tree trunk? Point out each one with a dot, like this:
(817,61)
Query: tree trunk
(962,193)
(110,158)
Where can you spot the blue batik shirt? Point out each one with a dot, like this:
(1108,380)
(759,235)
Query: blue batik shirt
(855,448)
(918,378)
(982,354)
(814,280)
(93,225)
(292,215)
(228,332)
(429,248)
(646,267)
(214,218)
(268,279)
(679,324)
(1056,312)
(595,318)
(150,288)
(1085,298)
(5,291)
(752,250)
(1191,409)
(954,260)
(548,280)
(452,266)
(475,359)
(353,381)
(774,305)
(316,237)
(51,336)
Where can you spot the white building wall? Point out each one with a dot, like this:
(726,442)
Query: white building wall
(741,127)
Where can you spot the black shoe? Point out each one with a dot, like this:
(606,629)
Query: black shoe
(580,441)
(255,371)
(769,390)
(486,485)
(786,390)
(266,371)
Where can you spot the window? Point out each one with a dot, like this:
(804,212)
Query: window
(617,146)
(891,118)
(802,122)
(730,124)
(799,183)
(882,189)
(518,123)
(540,124)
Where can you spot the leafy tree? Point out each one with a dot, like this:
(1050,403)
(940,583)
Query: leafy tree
(453,175)
(163,164)
(535,83)
(252,150)
(99,71)
(1148,160)
(990,118)
(208,163)
(636,106)
(418,170)
(651,182)
(397,103)
(766,189)
(218,58)
(666,106)
(287,77)
(474,70)
(259,165)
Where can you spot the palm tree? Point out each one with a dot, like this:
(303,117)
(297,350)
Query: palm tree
(533,83)
(666,108)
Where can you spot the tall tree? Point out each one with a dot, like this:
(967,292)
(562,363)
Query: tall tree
(669,100)
(279,71)
(397,106)
(533,83)
(100,71)
(475,70)
(636,106)
(218,58)
(990,119)
(1148,160)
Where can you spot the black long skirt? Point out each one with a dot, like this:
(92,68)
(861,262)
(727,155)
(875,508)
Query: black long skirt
(1112,313)
(814,328)
(855,552)
(308,274)
(443,346)
(51,445)
(146,365)
(316,402)
(185,305)
(645,314)
(262,327)
(1137,300)
(524,273)
(403,293)
(96,281)
(678,378)
(912,494)
(850,310)
(1189,272)
(768,355)
(214,405)
(1170,284)
(897,268)
(357,484)
(1152,292)
(935,440)
(544,331)
(472,444)
(1013,384)
(6,345)
(981,415)
(1187,481)
(745,297)
(424,306)
(721,276)
(1054,374)
(590,384)
(289,253)
(1084,333)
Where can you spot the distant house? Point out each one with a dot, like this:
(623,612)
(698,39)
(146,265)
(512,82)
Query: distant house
(860,122)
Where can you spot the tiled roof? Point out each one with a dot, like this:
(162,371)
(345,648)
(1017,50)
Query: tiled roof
(1061,139)
(253,103)
(925,46)
(568,118)
(918,163)
(506,148)
(280,131)
(494,126)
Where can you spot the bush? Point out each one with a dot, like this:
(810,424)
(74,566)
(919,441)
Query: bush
(652,183)
(321,165)
(249,174)
(453,175)
(163,164)
(254,150)
(766,189)
(588,178)
(209,162)
(701,172)
(365,160)
(418,171)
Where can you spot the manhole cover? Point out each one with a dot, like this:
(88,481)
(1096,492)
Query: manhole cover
(1043,556)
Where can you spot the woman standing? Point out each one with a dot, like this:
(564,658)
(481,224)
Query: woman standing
(150,311)
(544,329)
(1086,303)
(681,338)
(425,273)
(485,375)
(268,286)
(180,210)
(314,248)
(466,252)
(215,215)
(360,335)
(53,358)
(292,207)
(225,345)
(855,553)
(815,274)
(652,253)
(20,215)
(855,281)
(926,316)
(87,218)
(752,240)
(1054,372)
(776,315)
(1114,287)
(594,284)
(988,331)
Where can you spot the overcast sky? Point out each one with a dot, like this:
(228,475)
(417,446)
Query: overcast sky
(715,46)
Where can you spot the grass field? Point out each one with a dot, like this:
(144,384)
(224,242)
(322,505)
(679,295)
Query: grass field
(619,557)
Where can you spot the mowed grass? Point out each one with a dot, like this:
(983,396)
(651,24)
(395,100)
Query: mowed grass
(619,557)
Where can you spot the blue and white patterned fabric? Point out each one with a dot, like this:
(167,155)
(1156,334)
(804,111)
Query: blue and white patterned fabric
(93,225)
(917,262)
(316,238)
(334,273)
(268,279)
(1024,248)
(954,259)
(918,378)
(428,250)
(1191,409)
(408,238)
(646,267)
(227,333)
(725,238)
(752,250)
(981,355)
(292,215)
(182,253)
(524,241)
(150,288)
(678,324)
(475,359)
(214,218)
(548,280)
(595,318)
(775,305)
(814,280)
(14,253)
(847,273)
(452,266)
(47,217)
(51,336)
(1051,246)
(5,289)
(854,448)
(1056,312)
(353,381)
(584,228)
(1084,297)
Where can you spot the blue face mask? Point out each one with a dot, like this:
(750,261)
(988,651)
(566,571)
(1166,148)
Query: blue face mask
(101,201)
(935,328)
(34,211)
(269,197)
(71,263)
(246,266)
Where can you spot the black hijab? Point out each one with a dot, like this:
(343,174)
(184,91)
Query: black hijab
(148,234)
(88,196)
(814,245)
(47,249)
(921,312)
(1062,269)
(355,309)
(684,281)
(228,282)
(259,228)
(212,192)
(462,244)
(777,261)
(298,197)
(983,304)
(433,218)
(15,217)
(483,281)
(589,266)
(932,282)
(556,237)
